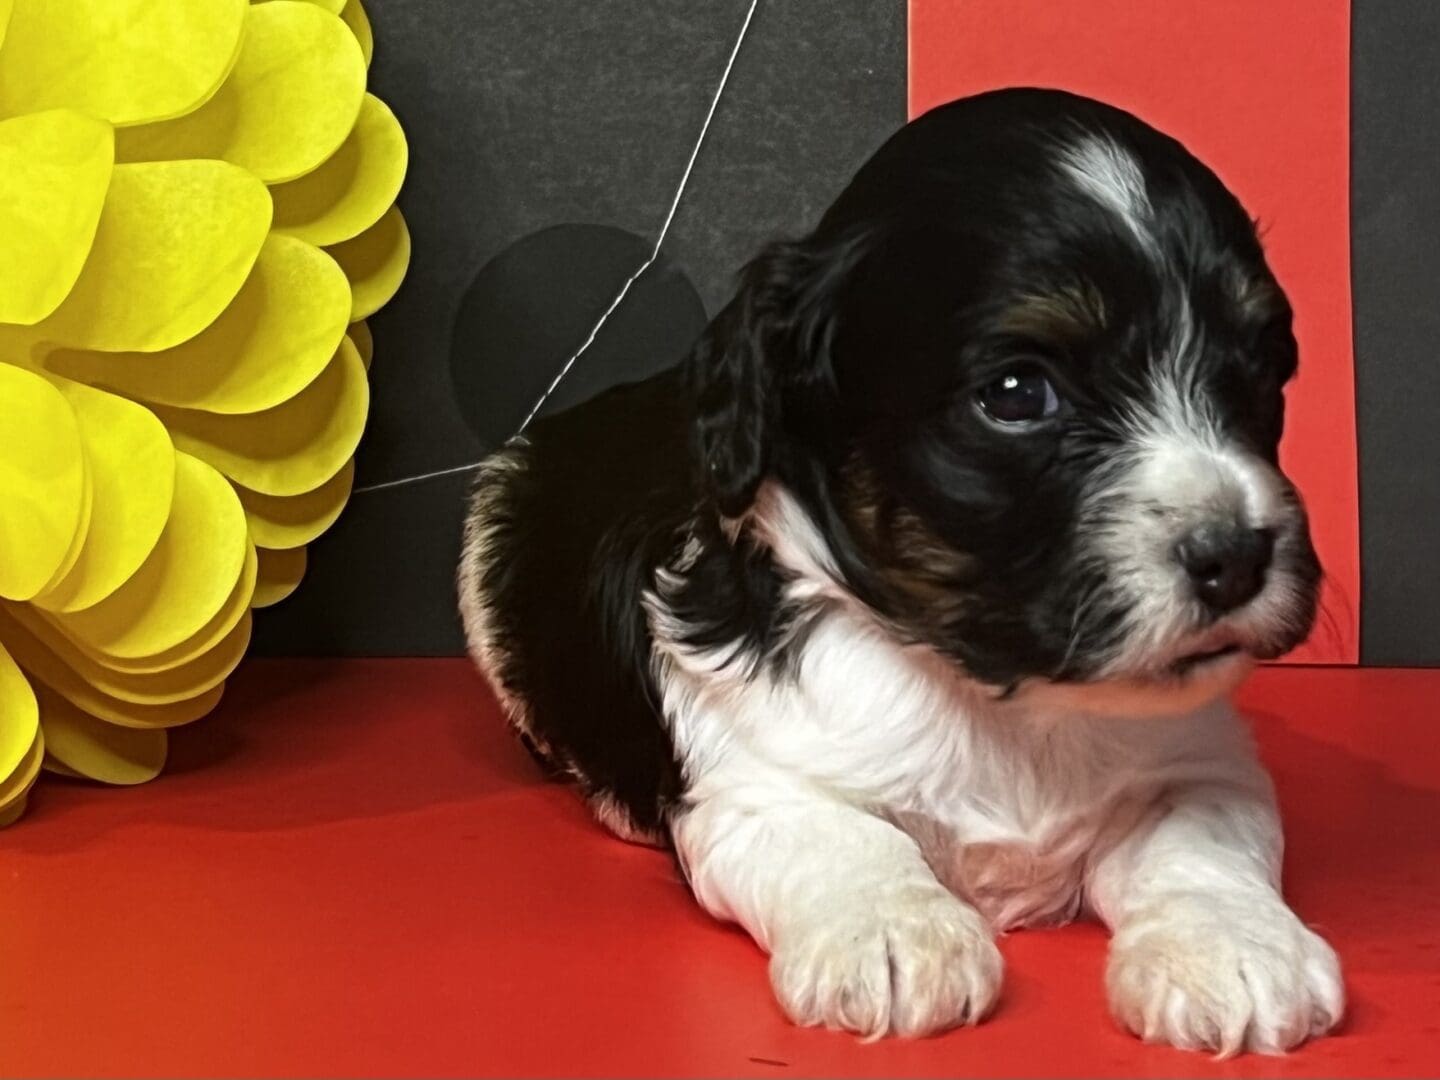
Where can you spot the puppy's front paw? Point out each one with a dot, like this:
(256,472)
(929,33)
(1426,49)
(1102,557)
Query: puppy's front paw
(1200,972)
(917,962)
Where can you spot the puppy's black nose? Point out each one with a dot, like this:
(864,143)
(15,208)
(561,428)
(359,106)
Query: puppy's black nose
(1226,563)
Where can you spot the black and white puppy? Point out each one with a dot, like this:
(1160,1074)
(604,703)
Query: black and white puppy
(907,610)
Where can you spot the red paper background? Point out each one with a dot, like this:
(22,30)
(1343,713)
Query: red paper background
(1260,92)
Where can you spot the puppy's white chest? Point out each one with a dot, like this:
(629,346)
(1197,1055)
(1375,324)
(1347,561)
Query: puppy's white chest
(1014,884)
(1017,871)
(1006,804)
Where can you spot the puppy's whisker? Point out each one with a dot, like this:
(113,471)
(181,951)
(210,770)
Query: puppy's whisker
(1087,599)
(1329,623)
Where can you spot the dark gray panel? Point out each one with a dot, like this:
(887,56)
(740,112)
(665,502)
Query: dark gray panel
(524,114)
(522,316)
(817,89)
(1395,215)
(381,584)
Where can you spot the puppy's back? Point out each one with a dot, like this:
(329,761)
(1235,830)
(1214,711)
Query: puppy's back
(564,530)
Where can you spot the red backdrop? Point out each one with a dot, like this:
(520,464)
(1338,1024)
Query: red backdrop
(1260,92)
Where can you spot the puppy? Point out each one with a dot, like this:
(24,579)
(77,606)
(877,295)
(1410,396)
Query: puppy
(907,609)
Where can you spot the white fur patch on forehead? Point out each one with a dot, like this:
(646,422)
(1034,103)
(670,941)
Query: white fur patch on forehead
(1107,173)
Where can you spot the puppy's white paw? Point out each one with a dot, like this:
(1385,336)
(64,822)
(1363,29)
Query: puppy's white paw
(1205,973)
(917,962)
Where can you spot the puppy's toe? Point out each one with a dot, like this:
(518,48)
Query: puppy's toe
(914,964)
(1207,974)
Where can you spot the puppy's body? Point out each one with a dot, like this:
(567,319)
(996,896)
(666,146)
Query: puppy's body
(565,533)
(900,610)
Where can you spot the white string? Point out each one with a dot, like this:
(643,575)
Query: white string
(664,228)
(471,467)
(624,289)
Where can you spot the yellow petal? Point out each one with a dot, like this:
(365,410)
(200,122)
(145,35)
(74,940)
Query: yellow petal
(82,531)
(332,6)
(125,61)
(281,522)
(14,811)
(16,787)
(364,344)
(19,717)
(131,678)
(42,482)
(186,580)
(83,746)
(214,634)
(353,189)
(44,666)
(359,23)
(181,683)
(289,103)
(280,574)
(292,448)
(54,172)
(132,472)
(375,262)
(6,7)
(277,335)
(59,768)
(176,241)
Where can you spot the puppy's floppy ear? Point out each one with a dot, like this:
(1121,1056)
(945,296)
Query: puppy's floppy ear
(767,350)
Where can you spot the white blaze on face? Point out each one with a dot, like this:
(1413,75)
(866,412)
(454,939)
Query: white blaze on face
(1175,471)
(1175,468)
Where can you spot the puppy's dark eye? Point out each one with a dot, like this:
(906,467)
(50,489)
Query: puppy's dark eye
(1021,395)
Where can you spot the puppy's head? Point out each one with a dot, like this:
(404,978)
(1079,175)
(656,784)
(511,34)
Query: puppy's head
(1027,379)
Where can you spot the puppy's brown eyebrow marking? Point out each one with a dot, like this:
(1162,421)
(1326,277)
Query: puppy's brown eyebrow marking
(1066,313)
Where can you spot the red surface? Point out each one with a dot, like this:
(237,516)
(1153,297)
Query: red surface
(351,870)
(1259,91)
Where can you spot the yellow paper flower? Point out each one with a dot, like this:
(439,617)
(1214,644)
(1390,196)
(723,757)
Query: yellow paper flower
(197,211)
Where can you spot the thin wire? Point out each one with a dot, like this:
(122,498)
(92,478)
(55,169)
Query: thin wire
(664,229)
(625,288)
(471,467)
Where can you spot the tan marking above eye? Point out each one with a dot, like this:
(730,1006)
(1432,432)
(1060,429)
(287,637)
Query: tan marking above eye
(1067,313)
